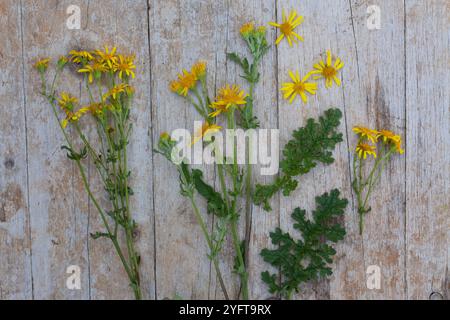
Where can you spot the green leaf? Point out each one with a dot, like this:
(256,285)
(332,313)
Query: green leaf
(308,258)
(216,205)
(310,145)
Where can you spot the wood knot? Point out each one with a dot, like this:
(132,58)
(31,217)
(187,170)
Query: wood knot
(9,164)
(436,296)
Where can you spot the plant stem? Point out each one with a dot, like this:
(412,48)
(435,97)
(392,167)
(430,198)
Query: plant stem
(235,217)
(202,224)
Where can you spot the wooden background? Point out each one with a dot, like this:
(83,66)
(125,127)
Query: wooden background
(396,77)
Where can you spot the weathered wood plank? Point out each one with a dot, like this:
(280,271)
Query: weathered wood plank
(238,13)
(15,266)
(58,205)
(380,104)
(60,236)
(428,148)
(320,37)
(181,32)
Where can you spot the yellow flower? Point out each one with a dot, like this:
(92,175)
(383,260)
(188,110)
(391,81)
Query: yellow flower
(388,136)
(288,26)
(175,86)
(82,57)
(227,97)
(94,69)
(204,130)
(107,57)
(67,101)
(199,69)
(124,65)
(96,109)
(74,116)
(370,134)
(328,70)
(299,87)
(398,146)
(42,64)
(364,149)
(186,81)
(247,28)
(62,61)
(118,89)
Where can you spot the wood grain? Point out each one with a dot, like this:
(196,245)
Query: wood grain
(394,78)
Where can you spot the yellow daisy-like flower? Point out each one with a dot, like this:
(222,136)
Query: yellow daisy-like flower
(62,61)
(370,134)
(94,69)
(398,146)
(125,66)
(186,81)
(107,57)
(227,97)
(74,116)
(42,64)
(388,136)
(247,28)
(298,86)
(67,101)
(364,149)
(96,109)
(119,89)
(82,57)
(328,70)
(288,26)
(199,69)
(204,130)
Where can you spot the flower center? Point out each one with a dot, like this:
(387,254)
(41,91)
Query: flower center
(299,87)
(286,28)
(329,72)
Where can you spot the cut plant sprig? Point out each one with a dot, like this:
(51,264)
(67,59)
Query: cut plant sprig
(373,151)
(309,258)
(310,145)
(110,110)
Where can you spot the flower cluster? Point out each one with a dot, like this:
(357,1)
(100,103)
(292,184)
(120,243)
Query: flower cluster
(106,76)
(326,69)
(381,145)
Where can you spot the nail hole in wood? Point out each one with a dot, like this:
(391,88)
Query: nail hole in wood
(9,163)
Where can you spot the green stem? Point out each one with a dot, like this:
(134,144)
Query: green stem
(202,224)
(235,217)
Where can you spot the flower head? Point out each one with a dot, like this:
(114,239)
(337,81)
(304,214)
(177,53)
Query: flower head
(247,29)
(227,97)
(388,136)
(398,147)
(62,61)
(370,134)
(186,81)
(107,57)
(328,70)
(119,89)
(67,102)
(288,26)
(364,149)
(82,57)
(125,66)
(74,116)
(42,65)
(298,86)
(206,129)
(199,69)
(94,69)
